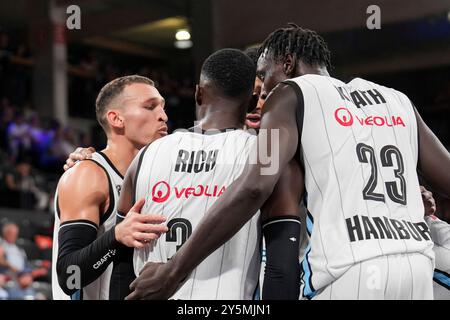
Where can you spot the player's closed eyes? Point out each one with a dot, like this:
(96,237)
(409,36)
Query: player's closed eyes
(153,106)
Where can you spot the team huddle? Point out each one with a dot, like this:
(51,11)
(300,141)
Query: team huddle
(326,173)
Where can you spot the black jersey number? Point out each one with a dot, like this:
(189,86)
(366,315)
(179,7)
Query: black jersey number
(388,153)
(185,228)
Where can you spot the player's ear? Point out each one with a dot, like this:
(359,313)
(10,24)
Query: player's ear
(198,95)
(114,119)
(289,65)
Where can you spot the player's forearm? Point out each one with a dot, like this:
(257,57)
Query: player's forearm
(282,272)
(122,274)
(79,247)
(229,213)
(440,231)
(123,271)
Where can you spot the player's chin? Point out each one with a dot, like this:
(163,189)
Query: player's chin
(162,133)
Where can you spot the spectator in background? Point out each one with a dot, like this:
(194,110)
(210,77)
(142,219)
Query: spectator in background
(3,293)
(14,259)
(23,186)
(22,289)
(40,139)
(6,117)
(13,267)
(63,144)
(37,133)
(19,136)
(5,267)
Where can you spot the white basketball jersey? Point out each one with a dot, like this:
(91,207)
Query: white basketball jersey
(440,233)
(181,176)
(98,289)
(359,149)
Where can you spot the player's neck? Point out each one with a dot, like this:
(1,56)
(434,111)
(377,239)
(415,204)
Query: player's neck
(121,152)
(221,119)
(312,69)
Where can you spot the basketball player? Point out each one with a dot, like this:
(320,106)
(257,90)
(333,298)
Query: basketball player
(182,175)
(281,218)
(359,145)
(131,112)
(440,233)
(253,118)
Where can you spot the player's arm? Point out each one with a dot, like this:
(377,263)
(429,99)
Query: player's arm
(434,159)
(82,198)
(123,271)
(235,207)
(440,230)
(440,234)
(281,230)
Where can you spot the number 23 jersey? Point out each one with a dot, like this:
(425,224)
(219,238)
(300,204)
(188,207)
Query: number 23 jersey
(359,147)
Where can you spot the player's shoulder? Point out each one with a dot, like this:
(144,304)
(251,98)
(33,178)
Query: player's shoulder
(360,82)
(85,176)
(316,81)
(396,95)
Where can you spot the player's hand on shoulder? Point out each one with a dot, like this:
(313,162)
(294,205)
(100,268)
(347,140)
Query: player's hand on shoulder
(154,283)
(78,155)
(138,230)
(428,201)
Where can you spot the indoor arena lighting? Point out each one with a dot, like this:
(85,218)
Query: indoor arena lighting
(182,35)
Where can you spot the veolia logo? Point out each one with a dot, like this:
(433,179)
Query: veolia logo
(344,117)
(160,192)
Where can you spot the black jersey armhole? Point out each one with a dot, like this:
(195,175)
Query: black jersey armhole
(141,157)
(110,164)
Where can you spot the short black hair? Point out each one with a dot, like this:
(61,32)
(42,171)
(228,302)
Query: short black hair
(253,53)
(303,43)
(231,71)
